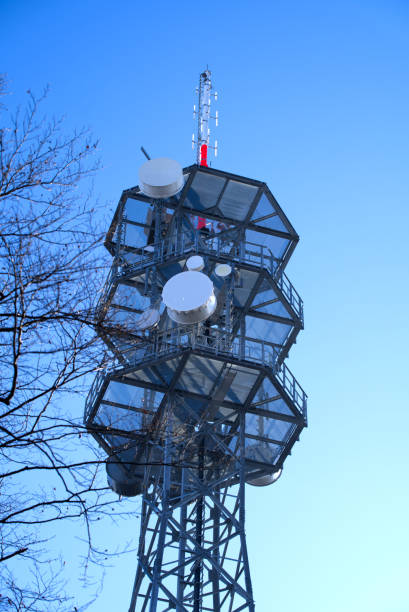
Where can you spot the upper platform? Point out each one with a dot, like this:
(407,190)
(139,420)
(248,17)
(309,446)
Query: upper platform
(221,198)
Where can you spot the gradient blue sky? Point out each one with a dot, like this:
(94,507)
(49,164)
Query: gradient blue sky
(314,101)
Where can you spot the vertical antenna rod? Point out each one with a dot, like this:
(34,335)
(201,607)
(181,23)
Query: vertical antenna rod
(203,119)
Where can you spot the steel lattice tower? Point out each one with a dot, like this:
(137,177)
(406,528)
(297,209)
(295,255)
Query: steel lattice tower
(191,413)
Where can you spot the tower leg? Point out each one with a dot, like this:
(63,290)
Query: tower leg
(192,553)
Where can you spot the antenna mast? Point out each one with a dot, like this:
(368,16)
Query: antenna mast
(202,112)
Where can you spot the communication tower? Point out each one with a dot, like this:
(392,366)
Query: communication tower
(198,402)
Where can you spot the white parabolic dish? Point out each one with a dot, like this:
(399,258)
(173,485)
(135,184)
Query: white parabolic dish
(161,177)
(195,262)
(189,297)
(223,270)
(148,319)
(266,480)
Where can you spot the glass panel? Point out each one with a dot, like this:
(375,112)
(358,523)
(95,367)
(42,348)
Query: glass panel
(241,385)
(244,287)
(172,268)
(257,254)
(258,328)
(262,452)
(266,215)
(136,210)
(144,374)
(237,200)
(277,245)
(129,350)
(187,408)
(150,375)
(206,226)
(139,279)
(267,294)
(115,441)
(199,375)
(263,329)
(268,398)
(129,297)
(234,444)
(125,319)
(129,395)
(130,258)
(125,308)
(167,369)
(276,308)
(266,427)
(117,418)
(204,191)
(134,236)
(130,460)
(143,233)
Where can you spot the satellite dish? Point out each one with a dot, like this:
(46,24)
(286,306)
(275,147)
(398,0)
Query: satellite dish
(120,480)
(196,262)
(126,471)
(265,480)
(189,297)
(148,319)
(160,178)
(223,270)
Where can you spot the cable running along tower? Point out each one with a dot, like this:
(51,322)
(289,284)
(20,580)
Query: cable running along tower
(198,402)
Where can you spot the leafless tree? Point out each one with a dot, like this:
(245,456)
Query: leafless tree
(51,271)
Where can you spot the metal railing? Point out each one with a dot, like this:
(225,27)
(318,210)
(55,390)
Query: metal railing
(292,387)
(94,392)
(106,290)
(216,342)
(246,252)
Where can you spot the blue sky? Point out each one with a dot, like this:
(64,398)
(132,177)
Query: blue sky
(313,99)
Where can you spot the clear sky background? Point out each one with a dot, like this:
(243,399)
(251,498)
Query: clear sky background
(313,99)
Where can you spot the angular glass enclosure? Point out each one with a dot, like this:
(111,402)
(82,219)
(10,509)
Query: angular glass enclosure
(237,356)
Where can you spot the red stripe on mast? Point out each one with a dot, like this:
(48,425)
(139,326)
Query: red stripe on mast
(203,155)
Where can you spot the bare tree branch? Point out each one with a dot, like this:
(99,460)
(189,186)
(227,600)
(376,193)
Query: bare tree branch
(52,267)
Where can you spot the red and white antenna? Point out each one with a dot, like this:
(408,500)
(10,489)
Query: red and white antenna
(202,112)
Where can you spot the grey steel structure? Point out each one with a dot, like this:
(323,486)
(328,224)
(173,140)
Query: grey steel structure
(189,414)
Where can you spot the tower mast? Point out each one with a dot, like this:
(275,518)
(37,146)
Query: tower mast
(197,403)
(202,113)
